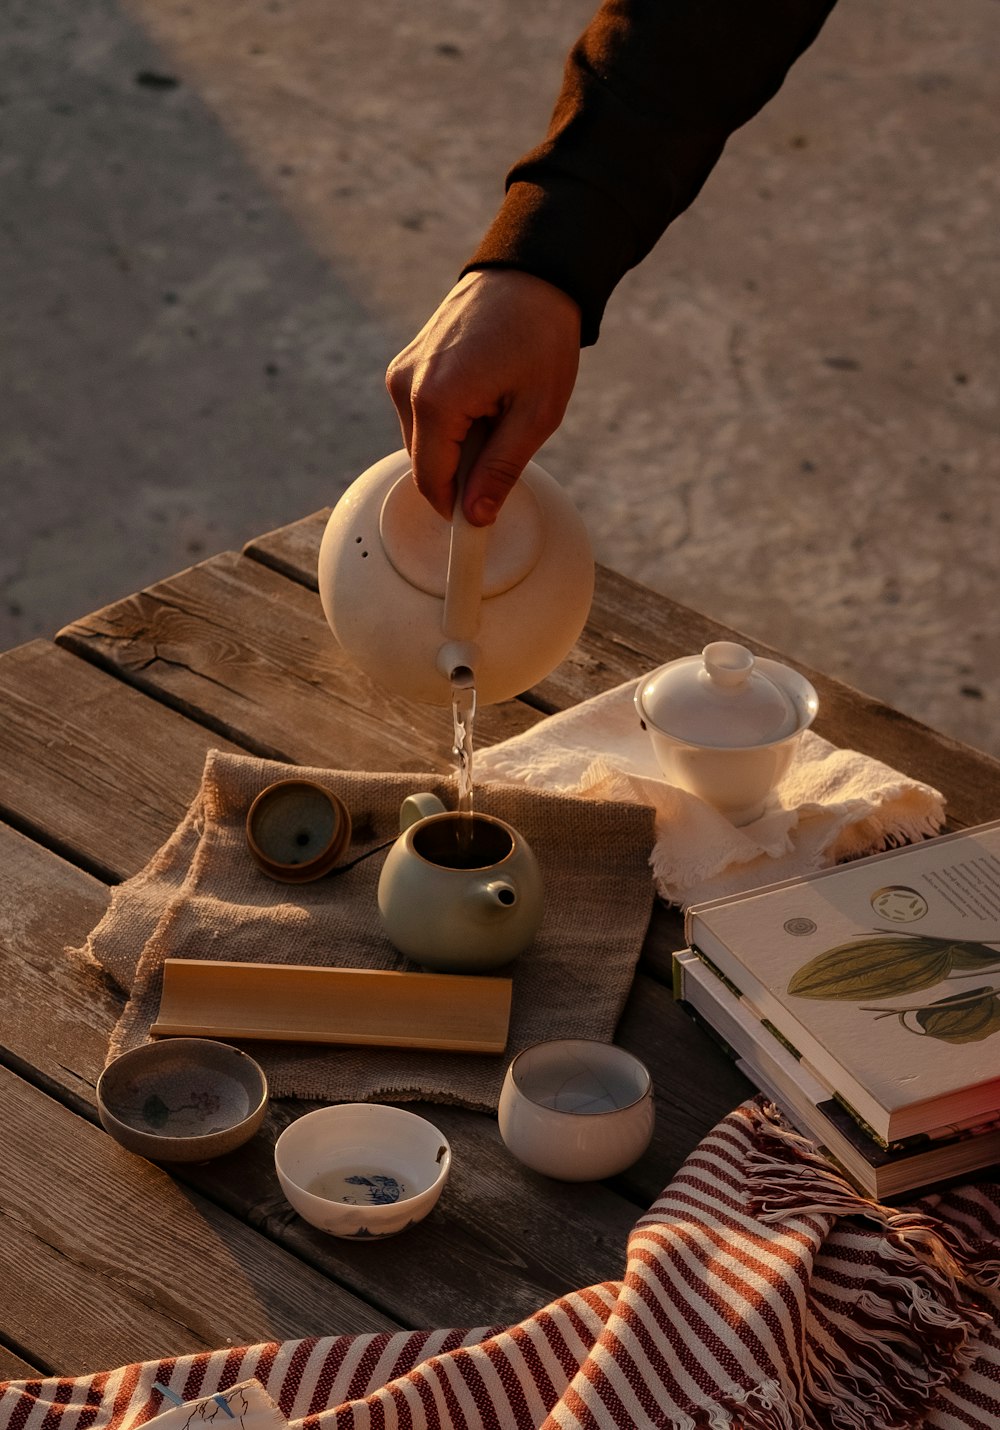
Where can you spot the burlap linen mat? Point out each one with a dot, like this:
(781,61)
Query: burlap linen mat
(202,896)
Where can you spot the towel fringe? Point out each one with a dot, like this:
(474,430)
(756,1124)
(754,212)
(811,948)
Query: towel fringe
(818,1189)
(917,1323)
(872,835)
(762,1407)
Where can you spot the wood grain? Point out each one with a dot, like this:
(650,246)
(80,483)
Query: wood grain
(89,767)
(694,1085)
(149,1268)
(58,1008)
(632,630)
(12,1367)
(248,653)
(293,549)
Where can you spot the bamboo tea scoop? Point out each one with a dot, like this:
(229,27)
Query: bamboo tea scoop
(295,1003)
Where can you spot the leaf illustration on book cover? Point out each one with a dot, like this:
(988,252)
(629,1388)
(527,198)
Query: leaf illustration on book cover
(967,1017)
(883,965)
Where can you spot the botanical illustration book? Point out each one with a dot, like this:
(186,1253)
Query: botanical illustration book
(809,1104)
(883,973)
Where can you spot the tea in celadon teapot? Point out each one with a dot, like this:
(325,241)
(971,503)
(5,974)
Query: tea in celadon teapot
(413,598)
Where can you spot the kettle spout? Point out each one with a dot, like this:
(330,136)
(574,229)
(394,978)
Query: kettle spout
(457,661)
(463,677)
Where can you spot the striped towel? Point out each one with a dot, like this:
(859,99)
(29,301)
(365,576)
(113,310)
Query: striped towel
(760,1293)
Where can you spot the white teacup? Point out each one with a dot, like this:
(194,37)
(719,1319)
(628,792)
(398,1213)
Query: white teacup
(576,1110)
(362,1170)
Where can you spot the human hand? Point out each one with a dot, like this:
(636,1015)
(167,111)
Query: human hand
(504,346)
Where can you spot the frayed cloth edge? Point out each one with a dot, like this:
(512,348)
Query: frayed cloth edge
(922,1286)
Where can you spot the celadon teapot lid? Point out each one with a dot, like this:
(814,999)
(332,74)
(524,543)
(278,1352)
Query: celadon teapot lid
(718,698)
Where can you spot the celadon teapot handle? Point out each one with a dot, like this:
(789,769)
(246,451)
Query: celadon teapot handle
(418,806)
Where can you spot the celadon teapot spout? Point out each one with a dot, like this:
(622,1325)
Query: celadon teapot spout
(493,899)
(414,599)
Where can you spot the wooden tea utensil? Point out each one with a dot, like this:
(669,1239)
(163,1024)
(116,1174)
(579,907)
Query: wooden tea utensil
(295,1003)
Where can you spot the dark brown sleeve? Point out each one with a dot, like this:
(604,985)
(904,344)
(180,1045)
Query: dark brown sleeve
(651,92)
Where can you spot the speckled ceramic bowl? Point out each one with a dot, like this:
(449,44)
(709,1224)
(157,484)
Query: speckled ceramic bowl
(182,1099)
(362,1170)
(576,1109)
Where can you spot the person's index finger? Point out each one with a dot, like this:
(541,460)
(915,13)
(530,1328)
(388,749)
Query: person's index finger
(398,389)
(434,457)
(507,451)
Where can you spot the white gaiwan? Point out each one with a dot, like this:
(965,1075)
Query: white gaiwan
(724,725)
(412,598)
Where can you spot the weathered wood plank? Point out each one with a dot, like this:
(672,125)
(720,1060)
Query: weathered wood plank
(695,1084)
(293,549)
(93,769)
(632,630)
(502,1241)
(58,1008)
(12,1367)
(247,652)
(149,1269)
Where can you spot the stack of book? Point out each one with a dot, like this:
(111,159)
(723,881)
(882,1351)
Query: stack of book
(865,1001)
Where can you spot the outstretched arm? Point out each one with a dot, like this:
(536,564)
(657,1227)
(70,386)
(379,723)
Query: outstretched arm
(651,92)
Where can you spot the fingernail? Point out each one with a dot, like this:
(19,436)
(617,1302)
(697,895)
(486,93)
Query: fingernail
(484,511)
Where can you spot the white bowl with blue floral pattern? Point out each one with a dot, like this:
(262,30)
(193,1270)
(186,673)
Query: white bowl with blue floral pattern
(362,1170)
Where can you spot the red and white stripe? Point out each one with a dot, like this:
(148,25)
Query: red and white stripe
(760,1293)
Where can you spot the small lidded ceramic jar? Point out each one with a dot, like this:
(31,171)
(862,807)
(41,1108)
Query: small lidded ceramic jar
(724,725)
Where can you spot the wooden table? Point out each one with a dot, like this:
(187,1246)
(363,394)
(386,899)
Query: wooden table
(105,1258)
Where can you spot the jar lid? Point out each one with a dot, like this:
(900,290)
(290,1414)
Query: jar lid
(297,830)
(717,698)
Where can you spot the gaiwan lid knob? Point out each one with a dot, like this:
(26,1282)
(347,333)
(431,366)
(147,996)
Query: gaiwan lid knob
(717,698)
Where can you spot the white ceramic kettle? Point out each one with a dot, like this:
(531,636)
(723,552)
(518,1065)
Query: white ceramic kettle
(413,598)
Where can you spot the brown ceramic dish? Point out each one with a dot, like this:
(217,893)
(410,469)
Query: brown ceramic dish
(182,1099)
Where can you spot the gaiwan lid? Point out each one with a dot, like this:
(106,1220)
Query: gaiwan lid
(717,698)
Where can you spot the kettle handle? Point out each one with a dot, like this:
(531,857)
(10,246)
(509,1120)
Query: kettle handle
(467,554)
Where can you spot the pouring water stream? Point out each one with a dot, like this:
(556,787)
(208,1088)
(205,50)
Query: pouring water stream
(463,710)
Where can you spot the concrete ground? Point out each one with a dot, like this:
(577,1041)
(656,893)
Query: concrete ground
(221,221)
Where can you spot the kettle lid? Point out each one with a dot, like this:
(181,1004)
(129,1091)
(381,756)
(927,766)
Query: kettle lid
(717,698)
(416,540)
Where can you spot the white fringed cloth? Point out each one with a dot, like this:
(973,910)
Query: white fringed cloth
(760,1293)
